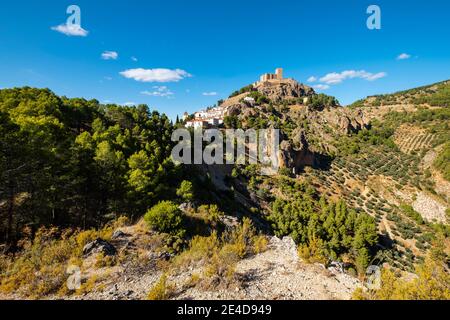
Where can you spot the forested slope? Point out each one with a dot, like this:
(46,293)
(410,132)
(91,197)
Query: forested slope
(73,162)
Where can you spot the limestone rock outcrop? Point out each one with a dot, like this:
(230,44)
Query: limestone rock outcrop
(284,90)
(347,120)
(296,154)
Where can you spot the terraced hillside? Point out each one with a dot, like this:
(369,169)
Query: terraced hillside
(413,139)
(367,186)
(392,177)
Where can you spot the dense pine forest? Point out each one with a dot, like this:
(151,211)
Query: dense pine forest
(73,162)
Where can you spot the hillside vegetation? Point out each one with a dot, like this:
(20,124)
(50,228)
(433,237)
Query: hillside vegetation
(436,95)
(92,186)
(73,162)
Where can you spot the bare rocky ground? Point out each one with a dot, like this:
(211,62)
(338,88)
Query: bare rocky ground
(275,274)
(430,208)
(278,274)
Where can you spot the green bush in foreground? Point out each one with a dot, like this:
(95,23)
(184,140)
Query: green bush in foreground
(165,217)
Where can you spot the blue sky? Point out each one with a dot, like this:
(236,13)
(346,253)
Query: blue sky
(201,51)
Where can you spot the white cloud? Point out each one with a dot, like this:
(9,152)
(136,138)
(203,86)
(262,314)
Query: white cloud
(134,59)
(110,55)
(322,87)
(71,30)
(129,104)
(403,56)
(312,79)
(376,76)
(210,94)
(159,91)
(336,78)
(108,78)
(155,75)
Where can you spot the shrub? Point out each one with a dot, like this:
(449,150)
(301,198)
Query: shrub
(285,172)
(223,263)
(260,99)
(166,217)
(105,233)
(313,252)
(193,281)
(245,89)
(413,214)
(161,291)
(203,247)
(232,122)
(90,285)
(260,244)
(234,246)
(241,238)
(320,101)
(210,213)
(103,261)
(186,191)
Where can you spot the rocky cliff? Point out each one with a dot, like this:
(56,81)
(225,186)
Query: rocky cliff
(278,91)
(308,129)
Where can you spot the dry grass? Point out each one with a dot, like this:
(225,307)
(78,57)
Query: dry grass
(219,255)
(40,268)
(162,290)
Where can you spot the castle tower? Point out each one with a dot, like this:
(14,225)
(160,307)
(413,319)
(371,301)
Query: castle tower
(279,73)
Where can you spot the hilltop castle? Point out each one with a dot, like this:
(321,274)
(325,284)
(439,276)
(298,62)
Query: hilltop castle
(278,75)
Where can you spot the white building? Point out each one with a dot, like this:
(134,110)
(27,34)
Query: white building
(201,114)
(204,118)
(250,100)
(213,121)
(197,124)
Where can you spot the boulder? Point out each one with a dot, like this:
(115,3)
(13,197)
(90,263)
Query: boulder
(234,110)
(286,245)
(164,256)
(99,246)
(249,112)
(336,267)
(186,206)
(118,234)
(229,222)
